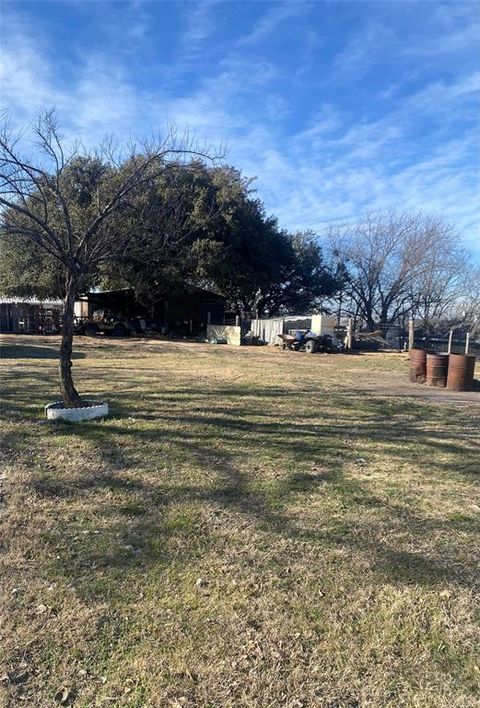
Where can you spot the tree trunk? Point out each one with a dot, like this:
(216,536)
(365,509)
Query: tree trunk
(69,393)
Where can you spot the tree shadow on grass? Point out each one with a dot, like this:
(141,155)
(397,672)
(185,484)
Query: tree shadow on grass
(389,562)
(314,435)
(143,501)
(311,443)
(27,351)
(336,429)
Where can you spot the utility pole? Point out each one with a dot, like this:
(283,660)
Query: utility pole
(450,337)
(411,334)
(349,335)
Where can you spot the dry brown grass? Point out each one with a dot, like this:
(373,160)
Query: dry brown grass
(334,524)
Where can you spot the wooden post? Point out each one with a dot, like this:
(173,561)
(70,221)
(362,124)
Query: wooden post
(237,320)
(411,334)
(349,335)
(467,343)
(450,337)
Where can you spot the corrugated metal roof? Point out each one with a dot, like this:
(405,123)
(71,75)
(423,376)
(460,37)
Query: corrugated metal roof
(30,301)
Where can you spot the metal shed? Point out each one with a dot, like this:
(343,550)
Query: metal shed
(30,315)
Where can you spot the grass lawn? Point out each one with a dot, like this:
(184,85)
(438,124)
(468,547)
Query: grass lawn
(250,527)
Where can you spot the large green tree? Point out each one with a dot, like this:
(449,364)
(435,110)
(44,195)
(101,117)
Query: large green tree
(228,244)
(172,222)
(179,201)
(302,282)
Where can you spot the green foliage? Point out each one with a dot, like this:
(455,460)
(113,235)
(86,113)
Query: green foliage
(26,268)
(27,271)
(189,223)
(228,244)
(303,280)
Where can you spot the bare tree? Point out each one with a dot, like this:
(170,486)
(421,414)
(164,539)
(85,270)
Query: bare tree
(466,307)
(397,264)
(74,206)
(442,284)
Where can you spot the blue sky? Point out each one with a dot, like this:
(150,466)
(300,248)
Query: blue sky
(335,107)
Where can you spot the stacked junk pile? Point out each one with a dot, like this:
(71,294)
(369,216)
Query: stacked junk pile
(453,371)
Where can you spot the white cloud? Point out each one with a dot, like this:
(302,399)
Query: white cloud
(26,76)
(273,18)
(200,22)
(360,53)
(453,28)
(332,167)
(440,96)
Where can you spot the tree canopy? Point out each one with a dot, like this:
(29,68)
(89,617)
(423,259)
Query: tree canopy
(228,244)
(223,240)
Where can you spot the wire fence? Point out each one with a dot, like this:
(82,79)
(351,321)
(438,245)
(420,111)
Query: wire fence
(396,336)
(441,344)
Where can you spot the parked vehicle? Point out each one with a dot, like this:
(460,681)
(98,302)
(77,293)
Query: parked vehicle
(109,323)
(308,341)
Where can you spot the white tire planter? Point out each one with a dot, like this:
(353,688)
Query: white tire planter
(57,411)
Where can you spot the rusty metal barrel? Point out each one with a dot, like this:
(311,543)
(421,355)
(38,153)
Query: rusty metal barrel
(461,369)
(437,370)
(418,365)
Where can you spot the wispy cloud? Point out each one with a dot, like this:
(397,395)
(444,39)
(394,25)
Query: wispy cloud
(453,29)
(362,50)
(278,14)
(200,24)
(414,148)
(140,24)
(26,76)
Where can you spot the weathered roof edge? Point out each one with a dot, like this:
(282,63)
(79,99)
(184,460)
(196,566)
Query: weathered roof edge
(30,301)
